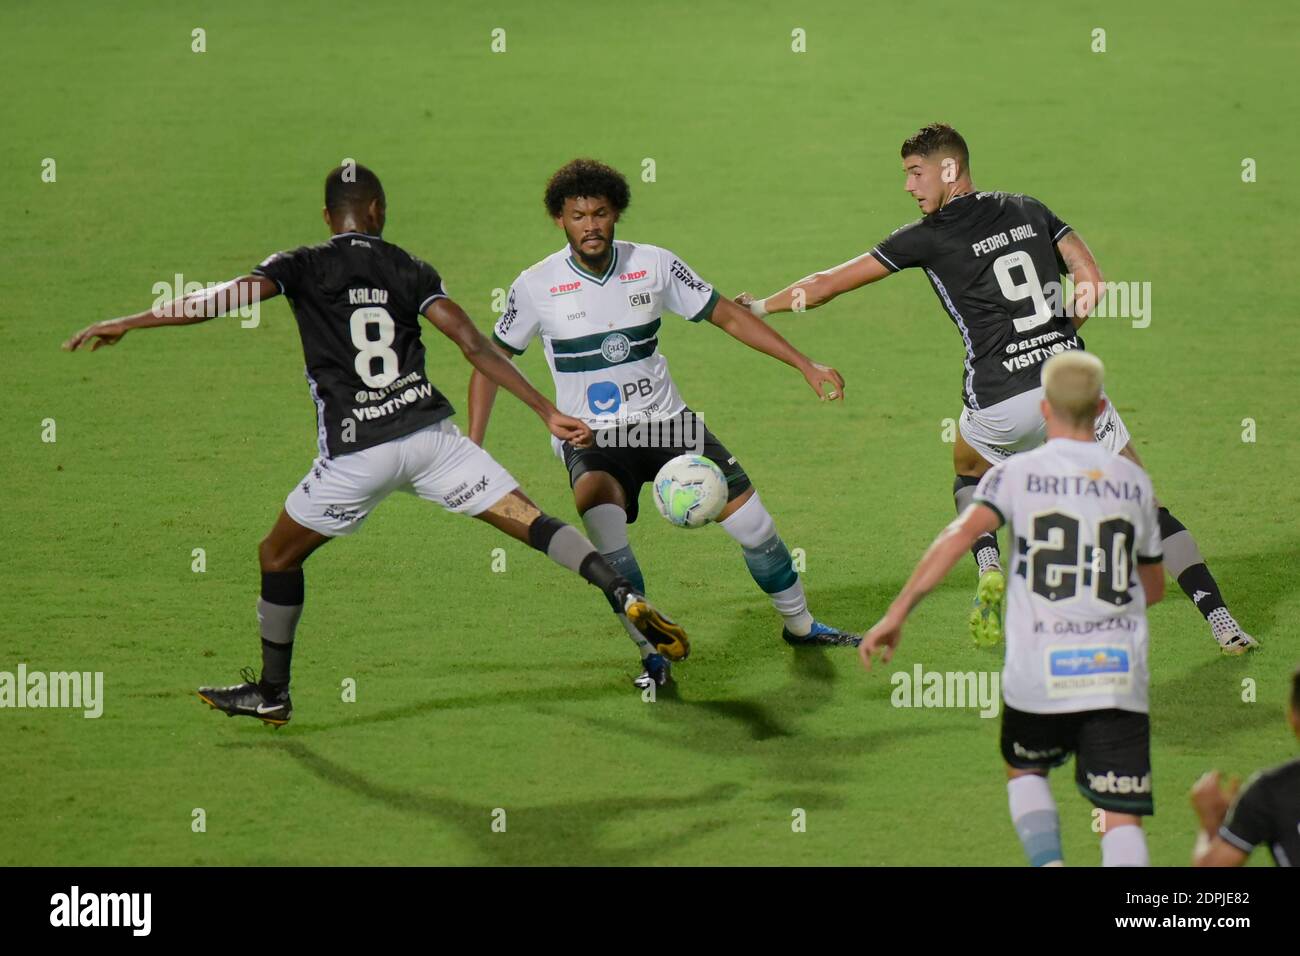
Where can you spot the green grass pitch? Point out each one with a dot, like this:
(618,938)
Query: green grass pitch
(479,690)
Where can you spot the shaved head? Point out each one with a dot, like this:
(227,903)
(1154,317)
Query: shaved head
(1072,386)
(352,188)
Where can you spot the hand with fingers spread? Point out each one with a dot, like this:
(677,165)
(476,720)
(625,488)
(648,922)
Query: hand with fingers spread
(108,332)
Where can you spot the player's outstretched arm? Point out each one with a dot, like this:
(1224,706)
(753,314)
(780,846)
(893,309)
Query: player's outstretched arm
(760,336)
(1083,269)
(187,310)
(945,551)
(451,320)
(818,288)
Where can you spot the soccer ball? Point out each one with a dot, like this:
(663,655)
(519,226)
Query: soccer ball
(690,491)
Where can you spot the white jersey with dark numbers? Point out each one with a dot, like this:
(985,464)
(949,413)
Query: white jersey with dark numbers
(600,333)
(1081,521)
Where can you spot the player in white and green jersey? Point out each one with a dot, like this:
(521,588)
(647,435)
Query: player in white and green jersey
(597,306)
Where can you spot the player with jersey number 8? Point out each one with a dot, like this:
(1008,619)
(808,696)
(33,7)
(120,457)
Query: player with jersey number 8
(381,424)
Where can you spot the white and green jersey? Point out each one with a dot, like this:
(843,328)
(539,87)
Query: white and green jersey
(601,333)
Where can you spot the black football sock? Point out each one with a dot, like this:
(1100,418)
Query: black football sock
(985,548)
(1183,561)
(278,611)
(568,547)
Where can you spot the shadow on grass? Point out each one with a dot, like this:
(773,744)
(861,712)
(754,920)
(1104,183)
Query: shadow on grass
(766,727)
(1189,711)
(1253,585)
(554,834)
(760,738)
(753,737)
(533,693)
(811,671)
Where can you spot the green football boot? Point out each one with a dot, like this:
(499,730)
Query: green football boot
(987,608)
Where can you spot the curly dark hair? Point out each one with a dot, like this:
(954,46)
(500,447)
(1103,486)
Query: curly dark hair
(590,178)
(936,138)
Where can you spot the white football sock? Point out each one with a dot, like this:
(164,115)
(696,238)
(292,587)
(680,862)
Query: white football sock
(1125,846)
(769,563)
(1033,814)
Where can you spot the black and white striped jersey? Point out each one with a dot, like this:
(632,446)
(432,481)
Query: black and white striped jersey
(992,261)
(357,300)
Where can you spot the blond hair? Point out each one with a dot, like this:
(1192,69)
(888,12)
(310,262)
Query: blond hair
(1072,385)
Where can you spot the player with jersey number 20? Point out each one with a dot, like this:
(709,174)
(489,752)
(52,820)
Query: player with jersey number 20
(596,305)
(1087,565)
(382,426)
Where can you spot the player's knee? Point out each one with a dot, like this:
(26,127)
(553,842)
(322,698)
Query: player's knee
(273,558)
(1014,772)
(597,488)
(967,462)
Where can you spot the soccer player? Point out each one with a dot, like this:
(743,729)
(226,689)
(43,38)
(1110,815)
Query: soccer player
(1075,678)
(596,304)
(993,259)
(1267,811)
(382,426)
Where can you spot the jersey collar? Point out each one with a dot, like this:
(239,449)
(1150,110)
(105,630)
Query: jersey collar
(1061,441)
(952,208)
(364,235)
(599,280)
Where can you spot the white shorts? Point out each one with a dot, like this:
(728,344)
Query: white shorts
(437,463)
(1017,425)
